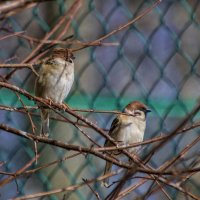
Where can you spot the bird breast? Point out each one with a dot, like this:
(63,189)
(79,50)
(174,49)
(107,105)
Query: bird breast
(131,130)
(56,79)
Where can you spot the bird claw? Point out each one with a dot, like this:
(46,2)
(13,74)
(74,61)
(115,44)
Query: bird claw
(120,143)
(65,106)
(45,135)
(50,101)
(105,184)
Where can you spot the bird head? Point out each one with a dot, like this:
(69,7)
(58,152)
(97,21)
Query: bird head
(65,54)
(137,109)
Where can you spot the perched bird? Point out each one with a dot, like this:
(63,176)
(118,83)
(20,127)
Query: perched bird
(127,129)
(56,76)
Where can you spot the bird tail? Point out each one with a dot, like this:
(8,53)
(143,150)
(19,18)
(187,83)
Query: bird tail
(44,123)
(107,170)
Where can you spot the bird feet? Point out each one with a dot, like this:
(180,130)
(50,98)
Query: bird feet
(45,135)
(120,143)
(44,132)
(65,106)
(50,101)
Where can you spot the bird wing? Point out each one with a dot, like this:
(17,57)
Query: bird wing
(113,130)
(42,83)
(39,88)
(114,126)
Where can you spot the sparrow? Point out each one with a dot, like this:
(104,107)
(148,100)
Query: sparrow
(126,129)
(56,77)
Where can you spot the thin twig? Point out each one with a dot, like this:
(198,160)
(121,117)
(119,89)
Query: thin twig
(69,16)
(93,191)
(20,66)
(69,188)
(122,27)
(61,144)
(11,35)
(17,173)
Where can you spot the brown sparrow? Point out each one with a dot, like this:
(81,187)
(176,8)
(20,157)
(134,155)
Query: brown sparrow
(127,129)
(56,76)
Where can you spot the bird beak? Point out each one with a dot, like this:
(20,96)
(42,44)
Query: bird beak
(148,110)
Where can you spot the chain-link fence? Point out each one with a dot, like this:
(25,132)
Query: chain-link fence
(155,61)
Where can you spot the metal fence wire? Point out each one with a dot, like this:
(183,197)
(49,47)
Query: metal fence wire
(154,60)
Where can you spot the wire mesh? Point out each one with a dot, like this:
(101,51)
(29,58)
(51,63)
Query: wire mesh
(156,61)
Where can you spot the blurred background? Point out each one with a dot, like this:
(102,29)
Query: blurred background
(156,62)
